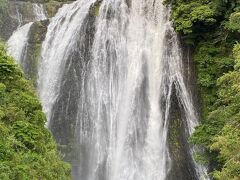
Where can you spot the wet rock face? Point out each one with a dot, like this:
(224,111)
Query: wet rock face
(129,2)
(36,37)
(7,23)
(182,167)
(21,11)
(7,28)
(65,111)
(190,75)
(15,13)
(52,6)
(94,9)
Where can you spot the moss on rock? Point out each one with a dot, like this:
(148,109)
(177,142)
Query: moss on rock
(182,167)
(52,6)
(94,9)
(36,36)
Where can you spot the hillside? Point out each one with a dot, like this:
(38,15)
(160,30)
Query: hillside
(27,148)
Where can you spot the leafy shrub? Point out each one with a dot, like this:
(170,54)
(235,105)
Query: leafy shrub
(213,27)
(27,149)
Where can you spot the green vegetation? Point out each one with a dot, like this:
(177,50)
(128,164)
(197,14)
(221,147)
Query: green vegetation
(212,27)
(27,149)
(52,6)
(36,36)
(94,9)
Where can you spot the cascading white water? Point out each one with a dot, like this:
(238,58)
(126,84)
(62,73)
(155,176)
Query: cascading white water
(19,17)
(125,45)
(17,43)
(126,87)
(60,40)
(39,12)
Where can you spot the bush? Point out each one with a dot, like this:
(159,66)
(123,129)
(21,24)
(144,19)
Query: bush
(213,27)
(27,149)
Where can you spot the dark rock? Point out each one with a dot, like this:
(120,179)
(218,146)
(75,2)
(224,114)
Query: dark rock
(16,13)
(182,163)
(64,118)
(37,35)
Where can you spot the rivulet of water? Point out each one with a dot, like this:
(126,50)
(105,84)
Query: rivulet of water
(39,12)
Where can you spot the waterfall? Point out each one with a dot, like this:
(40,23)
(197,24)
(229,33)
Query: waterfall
(60,42)
(19,17)
(18,42)
(107,83)
(39,12)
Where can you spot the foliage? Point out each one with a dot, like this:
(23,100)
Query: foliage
(227,142)
(219,133)
(27,149)
(234,22)
(196,15)
(212,27)
(186,15)
(212,61)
